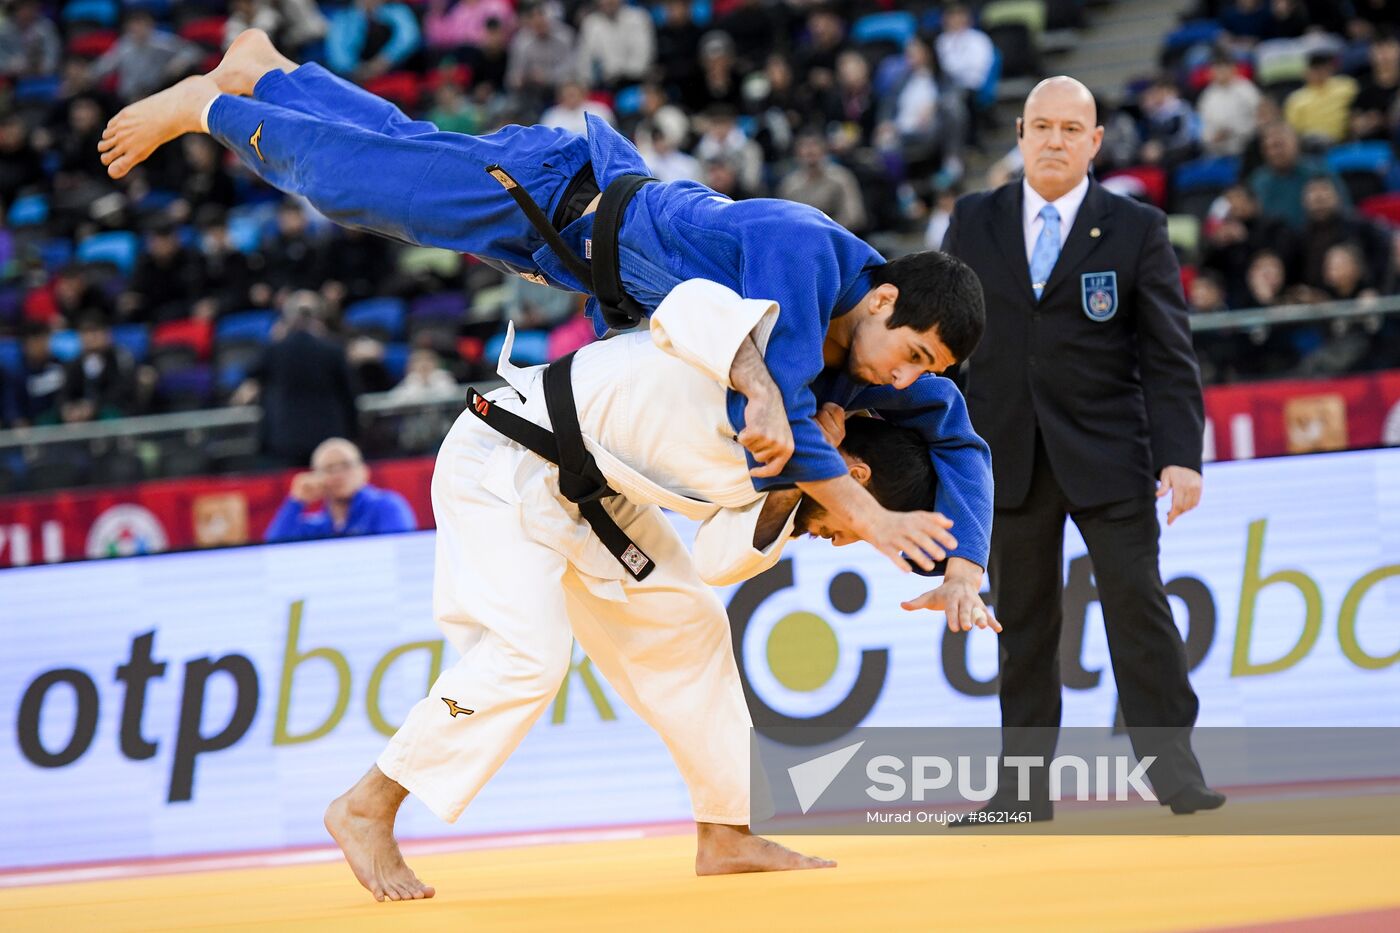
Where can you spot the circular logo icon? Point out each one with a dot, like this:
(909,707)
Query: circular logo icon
(126,530)
(1100,303)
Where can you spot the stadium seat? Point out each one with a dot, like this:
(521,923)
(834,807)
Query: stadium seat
(1375,157)
(1149,183)
(1195,32)
(64,345)
(396,359)
(628,100)
(402,87)
(160,9)
(134,338)
(119,247)
(102,12)
(197,335)
(1019,58)
(1064,14)
(55,253)
(531,347)
(472,348)
(1028,13)
(896,28)
(1384,207)
(186,389)
(92,44)
(207,31)
(11,354)
(29,210)
(36,90)
(11,305)
(383,317)
(449,308)
(1214,174)
(245,326)
(987,94)
(1184,232)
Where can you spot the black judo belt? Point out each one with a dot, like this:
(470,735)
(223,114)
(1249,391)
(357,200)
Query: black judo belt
(619,309)
(580,479)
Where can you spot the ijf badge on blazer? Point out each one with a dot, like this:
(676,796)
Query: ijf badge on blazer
(1099,294)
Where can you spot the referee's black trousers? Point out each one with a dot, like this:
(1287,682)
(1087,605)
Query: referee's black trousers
(1145,646)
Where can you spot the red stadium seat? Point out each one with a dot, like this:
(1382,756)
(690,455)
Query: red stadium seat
(92,44)
(1384,207)
(401,87)
(195,334)
(208,32)
(1152,178)
(460,75)
(470,348)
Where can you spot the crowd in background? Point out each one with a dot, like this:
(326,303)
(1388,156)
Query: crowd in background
(164,291)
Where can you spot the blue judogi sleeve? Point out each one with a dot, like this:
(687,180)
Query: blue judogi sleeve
(935,408)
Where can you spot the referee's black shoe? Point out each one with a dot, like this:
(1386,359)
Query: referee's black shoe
(1016,812)
(1194,797)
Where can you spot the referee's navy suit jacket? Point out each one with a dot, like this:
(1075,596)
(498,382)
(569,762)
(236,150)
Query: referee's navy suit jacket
(1116,400)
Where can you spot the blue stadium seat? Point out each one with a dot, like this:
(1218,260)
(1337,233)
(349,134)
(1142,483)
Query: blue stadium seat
(1195,32)
(134,338)
(249,326)
(91,11)
(118,247)
(1375,157)
(11,354)
(701,12)
(396,359)
(531,347)
(36,90)
(628,100)
(385,315)
(56,253)
(1209,173)
(897,27)
(30,210)
(186,389)
(64,345)
(231,376)
(987,93)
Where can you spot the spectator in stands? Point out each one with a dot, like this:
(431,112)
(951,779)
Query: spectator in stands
(452,24)
(724,176)
(365,355)
(853,101)
(370,38)
(250,14)
(1287,20)
(541,54)
(821,48)
(357,265)
(21,165)
(489,61)
(348,505)
(1266,279)
(296,260)
(659,114)
(1329,223)
(724,140)
(205,181)
(571,107)
(146,59)
(37,387)
(719,80)
(228,273)
(303,381)
(1344,274)
(1228,108)
(1170,128)
(62,302)
(778,106)
(29,42)
(453,112)
(677,45)
(168,279)
(965,53)
(616,45)
(755,27)
(1278,183)
(1235,231)
(1207,292)
(425,378)
(535,307)
(911,108)
(825,185)
(102,381)
(1375,112)
(303,23)
(1321,107)
(662,157)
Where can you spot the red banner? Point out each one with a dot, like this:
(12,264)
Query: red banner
(171,514)
(1269,419)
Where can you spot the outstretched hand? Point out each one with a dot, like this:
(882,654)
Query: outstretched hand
(960,602)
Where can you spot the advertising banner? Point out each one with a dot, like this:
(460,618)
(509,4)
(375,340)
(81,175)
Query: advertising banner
(216,701)
(169,515)
(1269,419)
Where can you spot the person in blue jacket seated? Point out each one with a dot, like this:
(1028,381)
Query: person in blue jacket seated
(336,500)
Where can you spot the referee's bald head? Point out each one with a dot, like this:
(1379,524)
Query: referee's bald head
(1058,135)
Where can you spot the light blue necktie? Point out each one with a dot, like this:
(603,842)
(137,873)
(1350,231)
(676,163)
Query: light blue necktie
(1047,249)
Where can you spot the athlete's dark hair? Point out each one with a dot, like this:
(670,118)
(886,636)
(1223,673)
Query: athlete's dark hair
(936,290)
(901,473)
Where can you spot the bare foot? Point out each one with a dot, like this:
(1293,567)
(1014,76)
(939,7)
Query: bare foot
(368,844)
(251,56)
(732,850)
(138,130)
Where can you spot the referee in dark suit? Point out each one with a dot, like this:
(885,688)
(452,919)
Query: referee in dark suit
(1086,387)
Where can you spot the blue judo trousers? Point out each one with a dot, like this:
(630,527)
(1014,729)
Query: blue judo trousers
(363,163)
